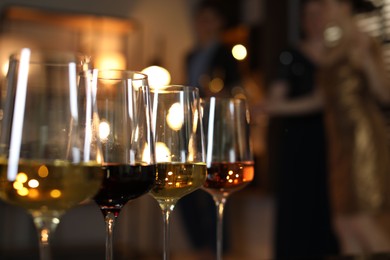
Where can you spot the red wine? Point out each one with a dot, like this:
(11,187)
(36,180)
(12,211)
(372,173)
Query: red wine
(122,183)
(225,178)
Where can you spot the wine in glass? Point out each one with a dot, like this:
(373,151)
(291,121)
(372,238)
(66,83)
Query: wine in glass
(230,165)
(125,132)
(180,153)
(50,158)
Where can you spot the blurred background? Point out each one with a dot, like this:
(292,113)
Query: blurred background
(135,34)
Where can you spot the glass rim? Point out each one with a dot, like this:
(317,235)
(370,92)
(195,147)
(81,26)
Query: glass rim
(225,99)
(52,57)
(174,88)
(117,74)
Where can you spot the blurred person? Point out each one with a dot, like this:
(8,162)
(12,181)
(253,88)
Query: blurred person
(297,146)
(212,68)
(210,64)
(354,83)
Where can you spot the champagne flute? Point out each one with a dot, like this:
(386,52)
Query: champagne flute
(50,159)
(180,152)
(124,108)
(230,165)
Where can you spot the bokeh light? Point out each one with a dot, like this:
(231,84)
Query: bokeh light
(163,153)
(104,130)
(239,52)
(175,117)
(157,76)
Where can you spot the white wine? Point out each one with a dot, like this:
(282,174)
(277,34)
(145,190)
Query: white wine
(55,186)
(178,179)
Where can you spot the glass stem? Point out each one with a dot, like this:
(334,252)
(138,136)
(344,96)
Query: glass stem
(220,206)
(167,207)
(44,248)
(166,215)
(109,218)
(45,226)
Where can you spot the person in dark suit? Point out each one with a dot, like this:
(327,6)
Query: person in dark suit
(212,68)
(210,64)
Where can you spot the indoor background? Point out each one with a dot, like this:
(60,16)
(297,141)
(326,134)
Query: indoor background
(136,34)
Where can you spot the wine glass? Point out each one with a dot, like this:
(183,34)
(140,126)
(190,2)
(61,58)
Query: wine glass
(180,152)
(230,165)
(124,109)
(50,159)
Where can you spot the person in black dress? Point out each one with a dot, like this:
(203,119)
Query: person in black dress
(297,143)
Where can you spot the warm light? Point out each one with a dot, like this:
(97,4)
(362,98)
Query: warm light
(110,76)
(104,130)
(18,185)
(21,177)
(23,191)
(157,76)
(196,118)
(110,60)
(4,69)
(55,193)
(33,183)
(43,171)
(239,52)
(45,235)
(162,152)
(175,117)
(33,193)
(216,85)
(146,154)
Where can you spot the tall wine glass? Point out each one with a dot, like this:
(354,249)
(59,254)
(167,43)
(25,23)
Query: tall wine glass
(50,159)
(124,108)
(180,153)
(230,165)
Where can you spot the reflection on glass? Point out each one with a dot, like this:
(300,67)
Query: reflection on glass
(50,158)
(230,165)
(179,137)
(125,131)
